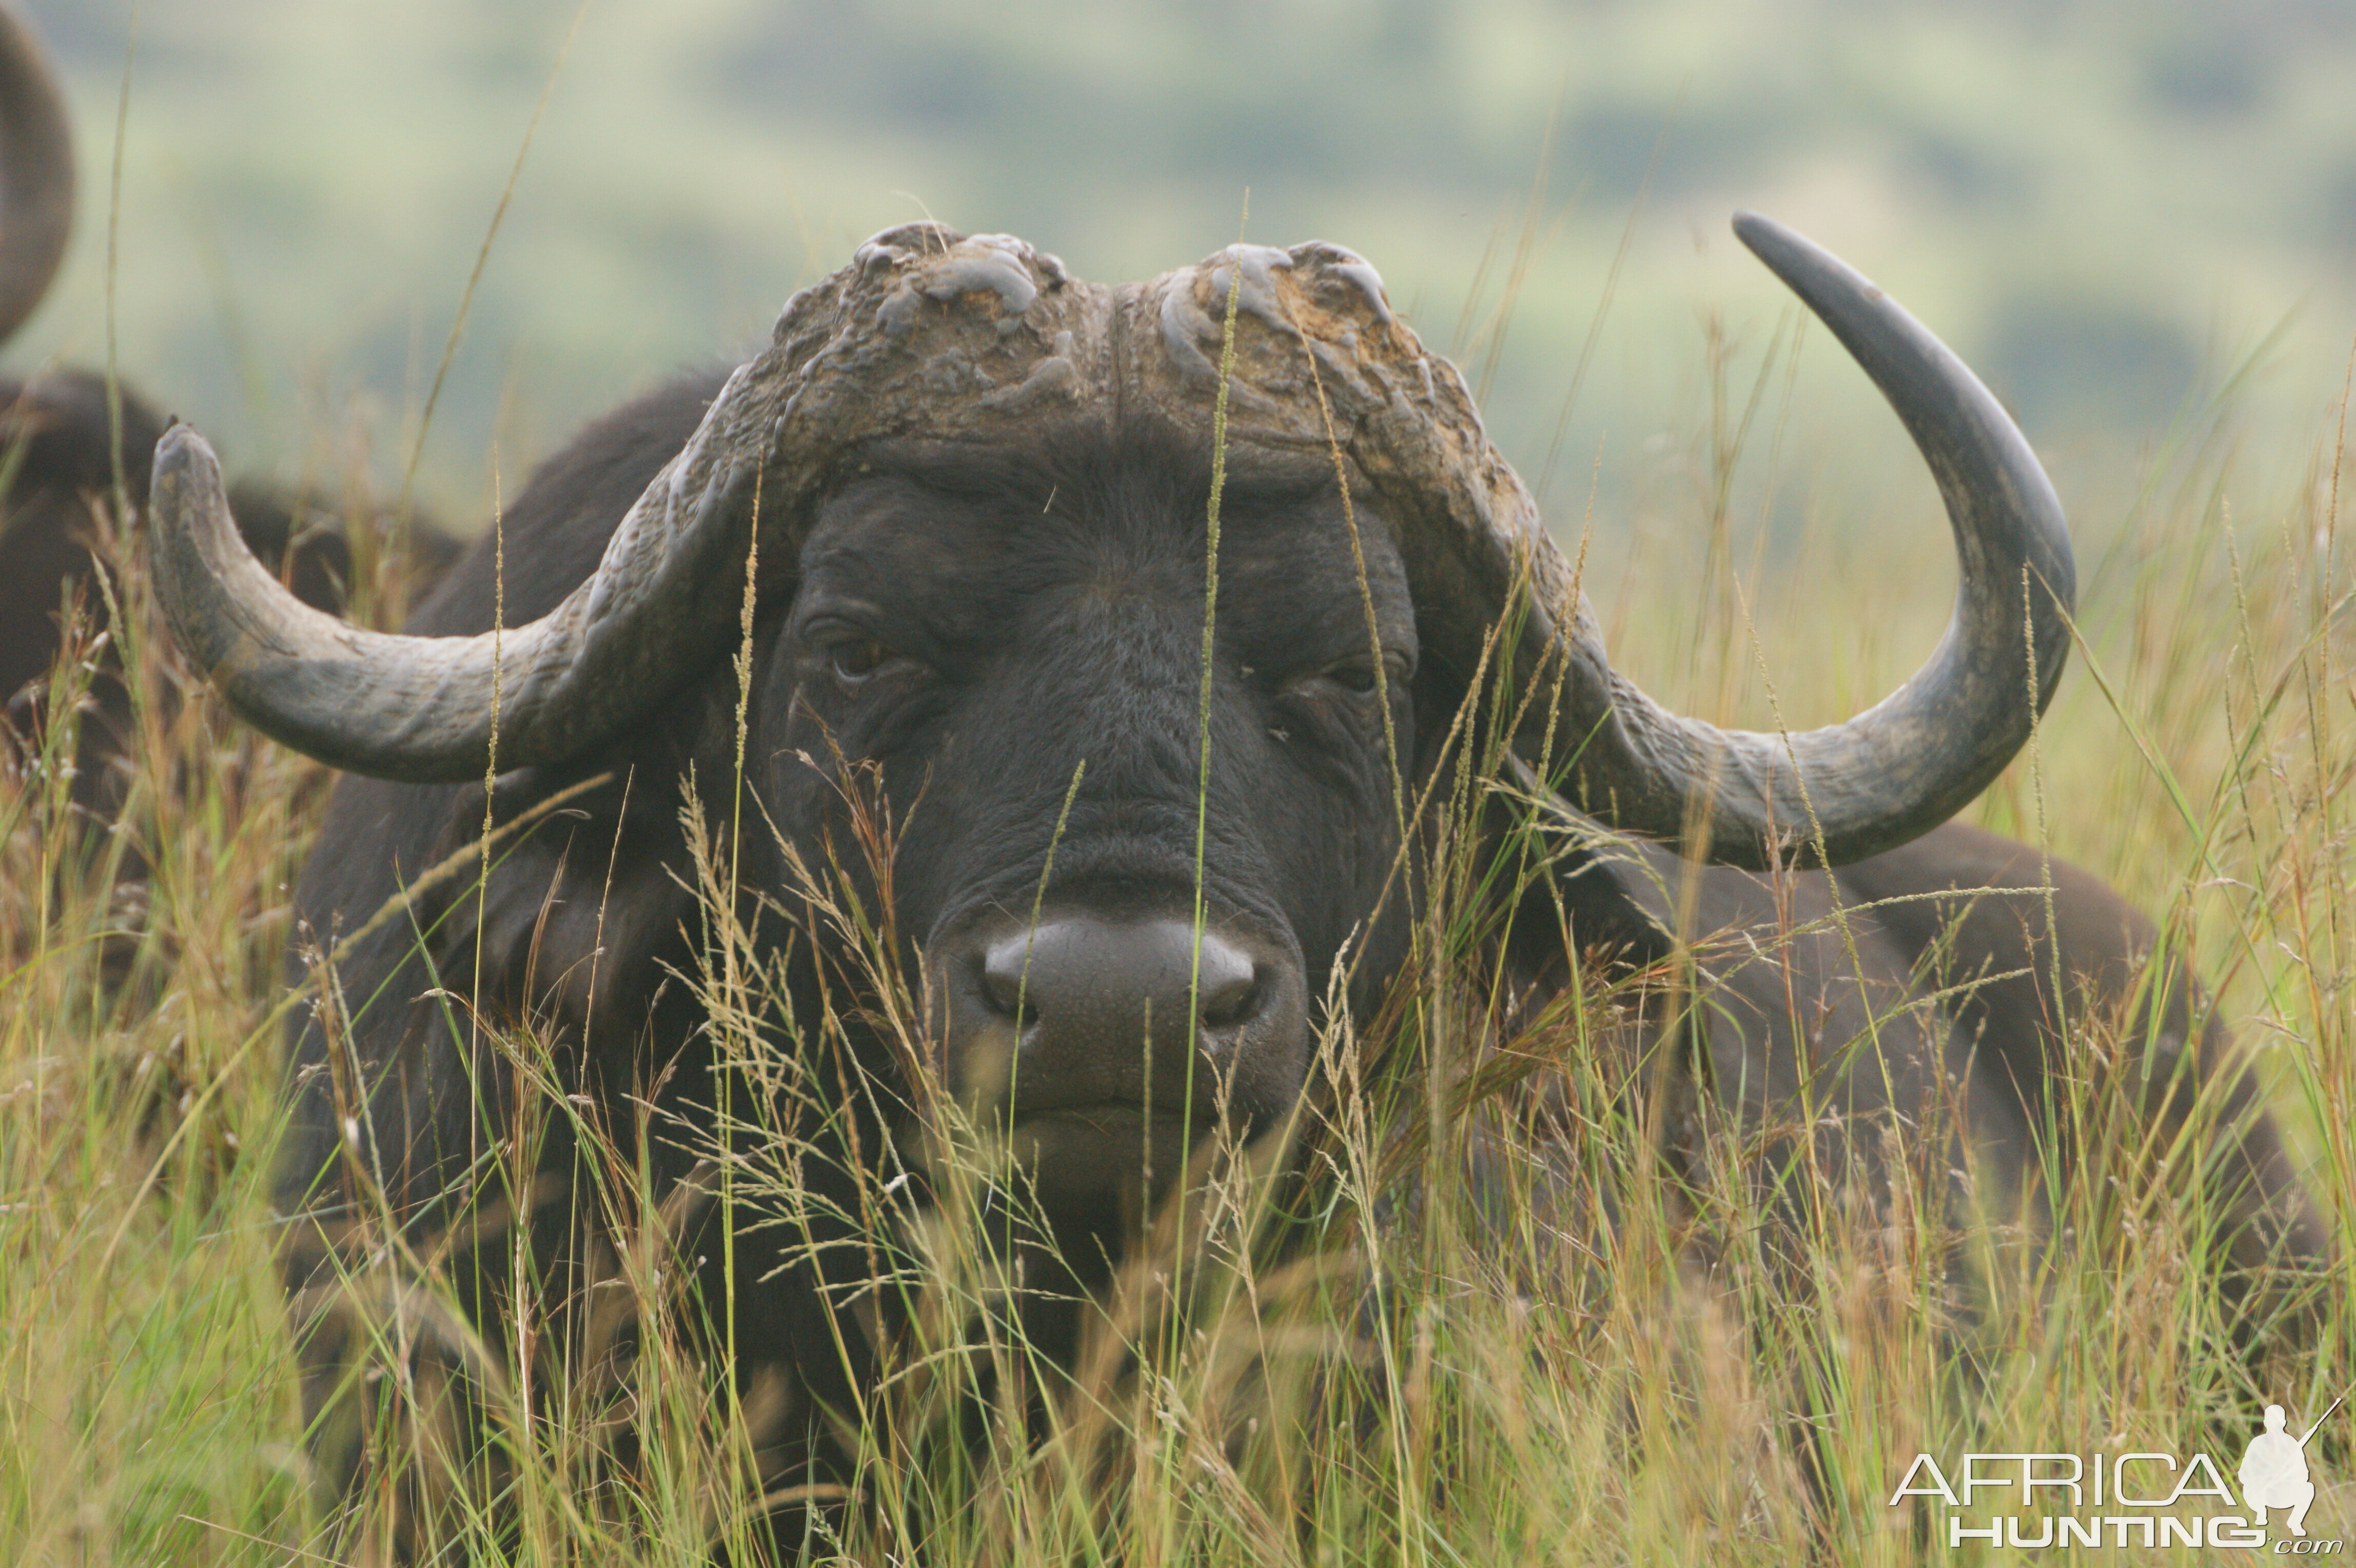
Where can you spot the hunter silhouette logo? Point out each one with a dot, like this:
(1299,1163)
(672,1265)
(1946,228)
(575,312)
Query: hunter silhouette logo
(2274,1471)
(2056,1500)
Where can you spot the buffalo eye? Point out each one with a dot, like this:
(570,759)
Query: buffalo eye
(855,659)
(1359,676)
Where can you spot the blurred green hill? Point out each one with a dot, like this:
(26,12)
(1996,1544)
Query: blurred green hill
(2104,206)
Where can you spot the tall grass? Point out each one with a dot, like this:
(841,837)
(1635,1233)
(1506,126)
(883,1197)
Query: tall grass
(1462,1311)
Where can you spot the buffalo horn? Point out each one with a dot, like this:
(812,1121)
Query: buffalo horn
(936,336)
(1912,760)
(421,709)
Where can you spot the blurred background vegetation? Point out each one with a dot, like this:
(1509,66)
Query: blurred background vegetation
(2110,208)
(2135,220)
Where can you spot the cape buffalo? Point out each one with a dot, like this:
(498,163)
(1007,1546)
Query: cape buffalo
(1127,855)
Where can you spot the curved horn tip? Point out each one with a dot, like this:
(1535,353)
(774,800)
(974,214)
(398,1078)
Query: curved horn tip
(1915,759)
(181,448)
(1755,230)
(183,484)
(1783,249)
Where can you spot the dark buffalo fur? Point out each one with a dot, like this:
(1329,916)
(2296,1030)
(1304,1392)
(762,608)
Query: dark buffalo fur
(965,630)
(56,492)
(57,459)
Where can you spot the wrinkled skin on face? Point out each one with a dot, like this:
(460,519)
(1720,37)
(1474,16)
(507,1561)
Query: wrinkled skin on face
(993,638)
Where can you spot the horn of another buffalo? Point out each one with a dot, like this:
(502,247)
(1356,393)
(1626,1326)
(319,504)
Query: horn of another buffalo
(1837,794)
(37,171)
(423,709)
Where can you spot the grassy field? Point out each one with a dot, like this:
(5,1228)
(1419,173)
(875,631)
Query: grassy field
(1312,1387)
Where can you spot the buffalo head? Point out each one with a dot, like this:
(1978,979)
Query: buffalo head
(1141,613)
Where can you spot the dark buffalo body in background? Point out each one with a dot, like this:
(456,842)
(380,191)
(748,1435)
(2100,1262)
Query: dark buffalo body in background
(980,490)
(56,447)
(63,451)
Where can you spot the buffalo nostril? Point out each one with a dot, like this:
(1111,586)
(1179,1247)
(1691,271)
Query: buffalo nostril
(1224,979)
(1003,990)
(1229,1001)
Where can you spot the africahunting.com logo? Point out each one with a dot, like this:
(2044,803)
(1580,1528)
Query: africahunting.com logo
(2144,1500)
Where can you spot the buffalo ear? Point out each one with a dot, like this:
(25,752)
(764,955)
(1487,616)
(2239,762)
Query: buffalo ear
(1448,713)
(1438,694)
(599,875)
